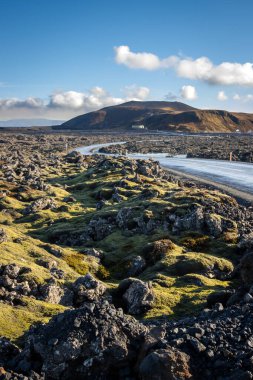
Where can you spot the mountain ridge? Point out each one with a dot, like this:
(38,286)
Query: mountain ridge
(161,115)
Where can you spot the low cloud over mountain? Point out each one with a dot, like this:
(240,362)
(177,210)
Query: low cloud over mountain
(66,104)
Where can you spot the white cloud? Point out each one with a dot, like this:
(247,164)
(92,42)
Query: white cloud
(188,92)
(96,98)
(249,97)
(197,69)
(222,96)
(18,103)
(67,104)
(146,61)
(226,73)
(136,93)
(243,98)
(68,99)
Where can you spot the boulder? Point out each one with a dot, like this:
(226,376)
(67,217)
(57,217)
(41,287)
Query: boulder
(214,224)
(10,270)
(192,221)
(136,266)
(74,157)
(97,253)
(137,295)
(98,229)
(124,215)
(87,288)
(217,224)
(148,168)
(55,294)
(165,364)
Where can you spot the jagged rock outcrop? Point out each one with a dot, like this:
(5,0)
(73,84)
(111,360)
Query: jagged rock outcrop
(14,285)
(94,342)
(87,289)
(53,293)
(40,204)
(137,295)
(200,219)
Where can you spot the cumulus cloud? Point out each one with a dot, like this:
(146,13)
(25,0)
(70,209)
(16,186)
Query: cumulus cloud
(18,103)
(225,73)
(146,61)
(222,96)
(243,98)
(249,97)
(188,92)
(66,104)
(134,92)
(96,98)
(68,99)
(198,69)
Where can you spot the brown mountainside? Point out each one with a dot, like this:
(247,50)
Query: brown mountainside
(155,115)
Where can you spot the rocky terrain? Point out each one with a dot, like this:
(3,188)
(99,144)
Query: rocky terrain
(112,268)
(164,116)
(213,147)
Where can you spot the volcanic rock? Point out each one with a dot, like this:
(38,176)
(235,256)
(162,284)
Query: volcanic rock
(137,295)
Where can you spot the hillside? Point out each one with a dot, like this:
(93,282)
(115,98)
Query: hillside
(170,116)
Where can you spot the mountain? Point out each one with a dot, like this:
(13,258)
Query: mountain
(29,123)
(168,116)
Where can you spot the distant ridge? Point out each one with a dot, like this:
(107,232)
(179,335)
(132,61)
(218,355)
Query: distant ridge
(29,123)
(161,115)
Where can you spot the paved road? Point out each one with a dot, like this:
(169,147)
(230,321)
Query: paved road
(237,175)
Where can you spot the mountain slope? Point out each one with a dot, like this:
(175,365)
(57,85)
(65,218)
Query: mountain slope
(170,116)
(202,121)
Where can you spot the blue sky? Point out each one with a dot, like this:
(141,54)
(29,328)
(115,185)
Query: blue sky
(58,57)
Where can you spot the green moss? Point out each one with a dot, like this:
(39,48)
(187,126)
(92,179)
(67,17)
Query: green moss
(195,241)
(175,295)
(102,273)
(20,318)
(76,262)
(179,297)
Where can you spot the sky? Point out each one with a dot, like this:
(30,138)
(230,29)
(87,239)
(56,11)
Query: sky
(63,58)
